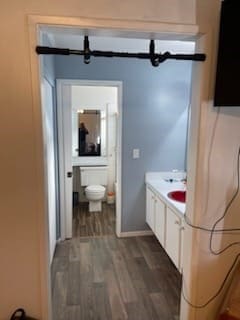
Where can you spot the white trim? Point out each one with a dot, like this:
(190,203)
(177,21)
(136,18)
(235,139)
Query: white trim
(129,28)
(51,237)
(41,205)
(62,176)
(121,27)
(118,185)
(142,233)
(65,157)
(63,234)
(189,270)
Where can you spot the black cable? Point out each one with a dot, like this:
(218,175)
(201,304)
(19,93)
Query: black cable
(225,231)
(212,231)
(224,215)
(187,220)
(201,306)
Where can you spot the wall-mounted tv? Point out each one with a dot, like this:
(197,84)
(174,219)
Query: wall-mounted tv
(227,87)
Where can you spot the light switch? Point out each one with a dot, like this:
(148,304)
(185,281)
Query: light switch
(136,153)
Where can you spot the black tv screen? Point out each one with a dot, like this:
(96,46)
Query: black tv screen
(227,87)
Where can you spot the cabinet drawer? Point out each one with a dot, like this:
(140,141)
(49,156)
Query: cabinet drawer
(173,237)
(150,209)
(166,225)
(160,221)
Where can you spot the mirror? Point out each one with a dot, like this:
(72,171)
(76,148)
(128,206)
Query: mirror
(88,133)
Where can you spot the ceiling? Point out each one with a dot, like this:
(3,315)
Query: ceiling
(72,38)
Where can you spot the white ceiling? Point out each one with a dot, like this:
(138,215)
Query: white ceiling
(73,39)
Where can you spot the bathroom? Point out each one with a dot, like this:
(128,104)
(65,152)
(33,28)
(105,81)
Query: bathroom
(151,124)
(94,145)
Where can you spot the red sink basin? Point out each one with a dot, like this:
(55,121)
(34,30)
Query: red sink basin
(178,195)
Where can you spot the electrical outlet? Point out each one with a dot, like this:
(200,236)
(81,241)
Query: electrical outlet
(136,153)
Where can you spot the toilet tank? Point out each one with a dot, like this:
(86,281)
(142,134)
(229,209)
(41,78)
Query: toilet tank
(93,175)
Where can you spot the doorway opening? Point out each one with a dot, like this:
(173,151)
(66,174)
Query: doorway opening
(89,131)
(125,228)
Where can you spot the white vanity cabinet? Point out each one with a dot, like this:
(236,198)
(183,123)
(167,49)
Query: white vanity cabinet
(166,225)
(173,237)
(155,215)
(160,220)
(150,208)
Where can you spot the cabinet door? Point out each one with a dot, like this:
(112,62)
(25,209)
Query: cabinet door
(150,209)
(160,220)
(173,237)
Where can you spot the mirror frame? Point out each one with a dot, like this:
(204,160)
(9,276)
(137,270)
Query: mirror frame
(94,160)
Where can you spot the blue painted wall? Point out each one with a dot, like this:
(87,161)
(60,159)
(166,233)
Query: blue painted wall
(155,113)
(48,62)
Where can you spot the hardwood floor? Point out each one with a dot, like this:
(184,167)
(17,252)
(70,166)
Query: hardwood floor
(101,277)
(86,224)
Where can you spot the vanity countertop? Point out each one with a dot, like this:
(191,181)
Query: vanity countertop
(157,181)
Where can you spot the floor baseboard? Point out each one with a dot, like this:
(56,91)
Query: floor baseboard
(136,233)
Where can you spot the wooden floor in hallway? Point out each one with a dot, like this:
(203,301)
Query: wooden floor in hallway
(88,224)
(103,277)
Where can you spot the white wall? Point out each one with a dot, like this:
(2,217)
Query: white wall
(22,184)
(112,144)
(92,97)
(67,38)
(216,182)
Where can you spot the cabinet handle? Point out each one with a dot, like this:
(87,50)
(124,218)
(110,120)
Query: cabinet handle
(182,228)
(177,222)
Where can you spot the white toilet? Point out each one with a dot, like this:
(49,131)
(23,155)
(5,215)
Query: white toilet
(95,180)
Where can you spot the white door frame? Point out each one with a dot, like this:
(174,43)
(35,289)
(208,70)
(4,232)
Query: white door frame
(132,29)
(48,114)
(66,220)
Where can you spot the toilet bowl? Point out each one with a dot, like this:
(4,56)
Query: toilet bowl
(94,179)
(95,194)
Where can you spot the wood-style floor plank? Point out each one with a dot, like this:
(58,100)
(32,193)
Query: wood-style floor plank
(96,276)
(73,287)
(115,299)
(59,295)
(89,224)
(87,307)
(72,312)
(161,305)
(148,277)
(124,280)
(102,310)
(135,274)
(147,304)
(98,270)
(132,245)
(151,257)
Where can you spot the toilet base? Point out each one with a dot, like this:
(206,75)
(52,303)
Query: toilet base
(95,206)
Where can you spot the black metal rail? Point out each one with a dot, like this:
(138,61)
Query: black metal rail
(155,58)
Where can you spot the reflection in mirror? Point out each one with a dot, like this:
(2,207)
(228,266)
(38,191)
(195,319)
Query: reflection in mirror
(89,130)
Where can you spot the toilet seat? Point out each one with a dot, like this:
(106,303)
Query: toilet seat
(95,195)
(94,180)
(95,189)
